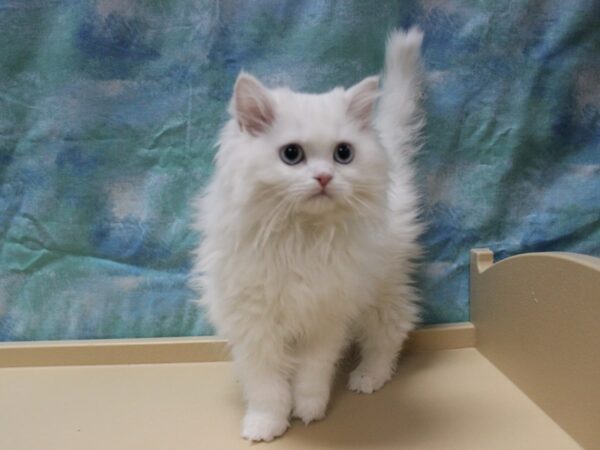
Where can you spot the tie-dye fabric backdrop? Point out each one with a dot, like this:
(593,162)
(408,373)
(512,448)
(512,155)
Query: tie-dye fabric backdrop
(109,112)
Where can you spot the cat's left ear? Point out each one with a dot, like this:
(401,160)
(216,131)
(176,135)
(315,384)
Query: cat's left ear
(252,105)
(361,99)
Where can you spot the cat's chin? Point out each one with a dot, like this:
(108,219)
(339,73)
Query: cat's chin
(318,204)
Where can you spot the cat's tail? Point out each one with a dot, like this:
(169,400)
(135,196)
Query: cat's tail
(399,118)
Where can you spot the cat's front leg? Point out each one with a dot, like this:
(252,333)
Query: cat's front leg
(264,375)
(384,328)
(311,384)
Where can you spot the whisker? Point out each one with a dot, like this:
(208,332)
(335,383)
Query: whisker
(264,230)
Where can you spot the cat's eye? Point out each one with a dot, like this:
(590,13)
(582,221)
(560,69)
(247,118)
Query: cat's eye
(343,153)
(291,154)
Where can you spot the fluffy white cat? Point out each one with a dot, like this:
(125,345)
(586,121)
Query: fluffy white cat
(309,232)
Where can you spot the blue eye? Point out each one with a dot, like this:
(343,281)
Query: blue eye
(343,153)
(291,154)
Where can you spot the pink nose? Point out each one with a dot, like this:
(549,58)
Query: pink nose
(323,179)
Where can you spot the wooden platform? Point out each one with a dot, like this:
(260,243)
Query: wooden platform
(450,399)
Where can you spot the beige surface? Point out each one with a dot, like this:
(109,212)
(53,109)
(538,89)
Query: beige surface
(113,351)
(441,337)
(186,349)
(451,399)
(538,320)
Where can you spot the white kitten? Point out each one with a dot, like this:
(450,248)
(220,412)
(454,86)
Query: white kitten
(309,236)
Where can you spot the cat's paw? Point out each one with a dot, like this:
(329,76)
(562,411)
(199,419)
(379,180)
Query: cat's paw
(366,381)
(310,408)
(263,427)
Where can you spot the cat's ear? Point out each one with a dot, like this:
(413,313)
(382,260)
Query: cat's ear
(361,99)
(252,105)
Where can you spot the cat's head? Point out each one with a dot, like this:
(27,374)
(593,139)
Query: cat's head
(311,155)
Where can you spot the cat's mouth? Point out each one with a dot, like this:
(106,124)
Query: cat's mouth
(321,194)
(319,202)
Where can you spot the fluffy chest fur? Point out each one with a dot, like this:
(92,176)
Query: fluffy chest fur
(296,283)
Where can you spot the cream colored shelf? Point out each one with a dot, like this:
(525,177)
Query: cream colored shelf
(536,317)
(450,399)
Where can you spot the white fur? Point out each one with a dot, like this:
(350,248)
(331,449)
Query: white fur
(289,278)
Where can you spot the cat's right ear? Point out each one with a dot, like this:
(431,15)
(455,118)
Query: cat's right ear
(252,105)
(362,98)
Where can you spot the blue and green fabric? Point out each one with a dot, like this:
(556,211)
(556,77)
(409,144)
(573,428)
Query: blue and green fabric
(110,109)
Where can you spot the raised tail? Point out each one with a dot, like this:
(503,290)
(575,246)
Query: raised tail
(399,118)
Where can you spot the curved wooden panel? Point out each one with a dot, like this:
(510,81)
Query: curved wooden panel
(537,318)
